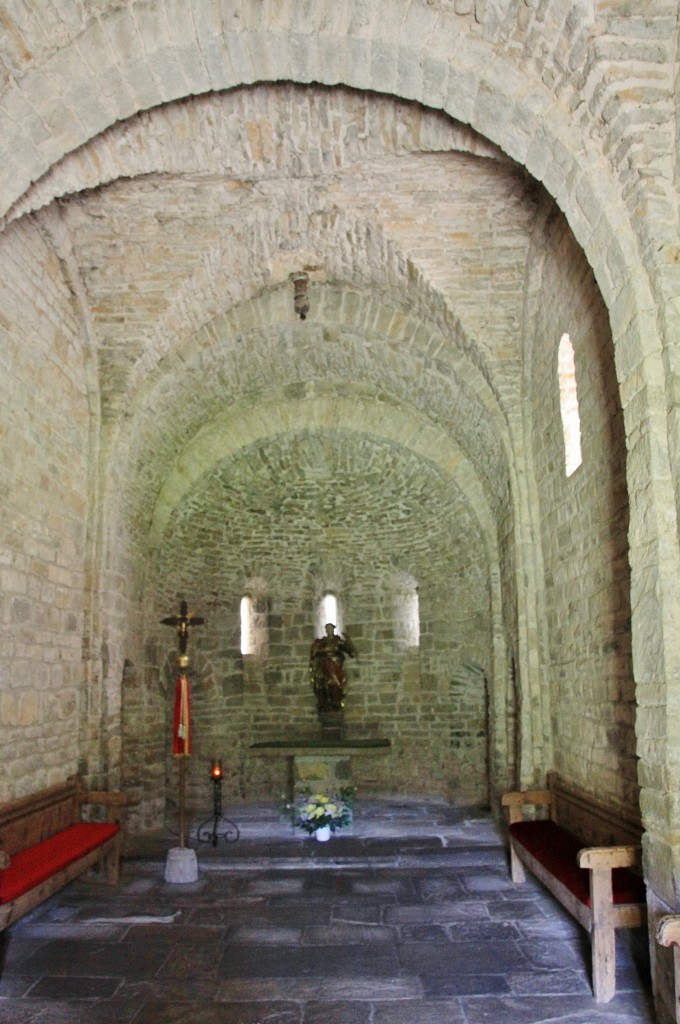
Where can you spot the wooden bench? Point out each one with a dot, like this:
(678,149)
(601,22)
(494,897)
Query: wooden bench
(44,844)
(589,858)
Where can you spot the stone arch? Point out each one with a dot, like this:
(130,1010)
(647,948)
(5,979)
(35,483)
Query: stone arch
(283,478)
(340,313)
(156,423)
(244,132)
(137,66)
(412,59)
(241,426)
(364,250)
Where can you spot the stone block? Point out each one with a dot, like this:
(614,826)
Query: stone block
(181,866)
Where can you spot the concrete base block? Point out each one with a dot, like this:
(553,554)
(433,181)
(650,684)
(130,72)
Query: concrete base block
(181,866)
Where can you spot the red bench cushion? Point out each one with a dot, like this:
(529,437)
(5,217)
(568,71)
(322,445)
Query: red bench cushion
(557,849)
(34,865)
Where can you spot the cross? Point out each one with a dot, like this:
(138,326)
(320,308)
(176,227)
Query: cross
(183,622)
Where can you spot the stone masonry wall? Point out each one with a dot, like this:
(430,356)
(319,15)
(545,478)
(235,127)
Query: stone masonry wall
(43,496)
(584,520)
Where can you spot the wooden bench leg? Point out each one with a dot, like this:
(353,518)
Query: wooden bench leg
(676,976)
(516,867)
(112,864)
(668,934)
(603,936)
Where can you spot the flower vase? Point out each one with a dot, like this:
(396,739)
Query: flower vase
(323,834)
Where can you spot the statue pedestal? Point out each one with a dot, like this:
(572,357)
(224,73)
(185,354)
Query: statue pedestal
(332,725)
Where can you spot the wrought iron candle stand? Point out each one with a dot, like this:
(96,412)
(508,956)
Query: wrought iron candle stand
(219,826)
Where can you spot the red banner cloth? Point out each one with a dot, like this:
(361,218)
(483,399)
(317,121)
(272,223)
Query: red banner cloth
(181,719)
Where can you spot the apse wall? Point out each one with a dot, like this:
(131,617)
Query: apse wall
(44,426)
(584,524)
(287,520)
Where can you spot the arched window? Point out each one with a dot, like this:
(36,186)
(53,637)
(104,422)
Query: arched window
(247,639)
(571,421)
(329,604)
(406,611)
(328,610)
(254,621)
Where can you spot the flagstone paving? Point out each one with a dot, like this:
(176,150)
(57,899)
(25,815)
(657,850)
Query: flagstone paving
(407,917)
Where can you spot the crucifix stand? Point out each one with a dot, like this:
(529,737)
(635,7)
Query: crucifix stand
(181,864)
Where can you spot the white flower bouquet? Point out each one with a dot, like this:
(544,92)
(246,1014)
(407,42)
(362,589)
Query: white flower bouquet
(315,811)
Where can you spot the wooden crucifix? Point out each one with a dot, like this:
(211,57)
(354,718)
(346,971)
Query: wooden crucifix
(181,721)
(183,623)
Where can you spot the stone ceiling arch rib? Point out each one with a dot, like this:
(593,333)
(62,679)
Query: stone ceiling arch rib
(245,133)
(343,490)
(361,504)
(344,250)
(143,59)
(239,428)
(355,342)
(358,251)
(246,425)
(36,31)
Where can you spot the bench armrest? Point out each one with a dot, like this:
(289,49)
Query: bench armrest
(516,801)
(609,857)
(668,930)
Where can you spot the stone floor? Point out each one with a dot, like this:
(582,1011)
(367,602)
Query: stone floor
(407,917)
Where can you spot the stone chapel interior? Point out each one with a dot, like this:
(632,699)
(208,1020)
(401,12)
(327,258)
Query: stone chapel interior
(468,441)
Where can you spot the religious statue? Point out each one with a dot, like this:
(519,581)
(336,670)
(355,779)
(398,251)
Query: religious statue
(326,668)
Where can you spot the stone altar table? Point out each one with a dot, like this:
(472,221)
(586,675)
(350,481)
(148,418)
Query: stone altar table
(323,765)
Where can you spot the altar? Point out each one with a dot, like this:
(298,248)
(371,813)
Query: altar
(321,765)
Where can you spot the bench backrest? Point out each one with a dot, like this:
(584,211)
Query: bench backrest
(596,824)
(26,821)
